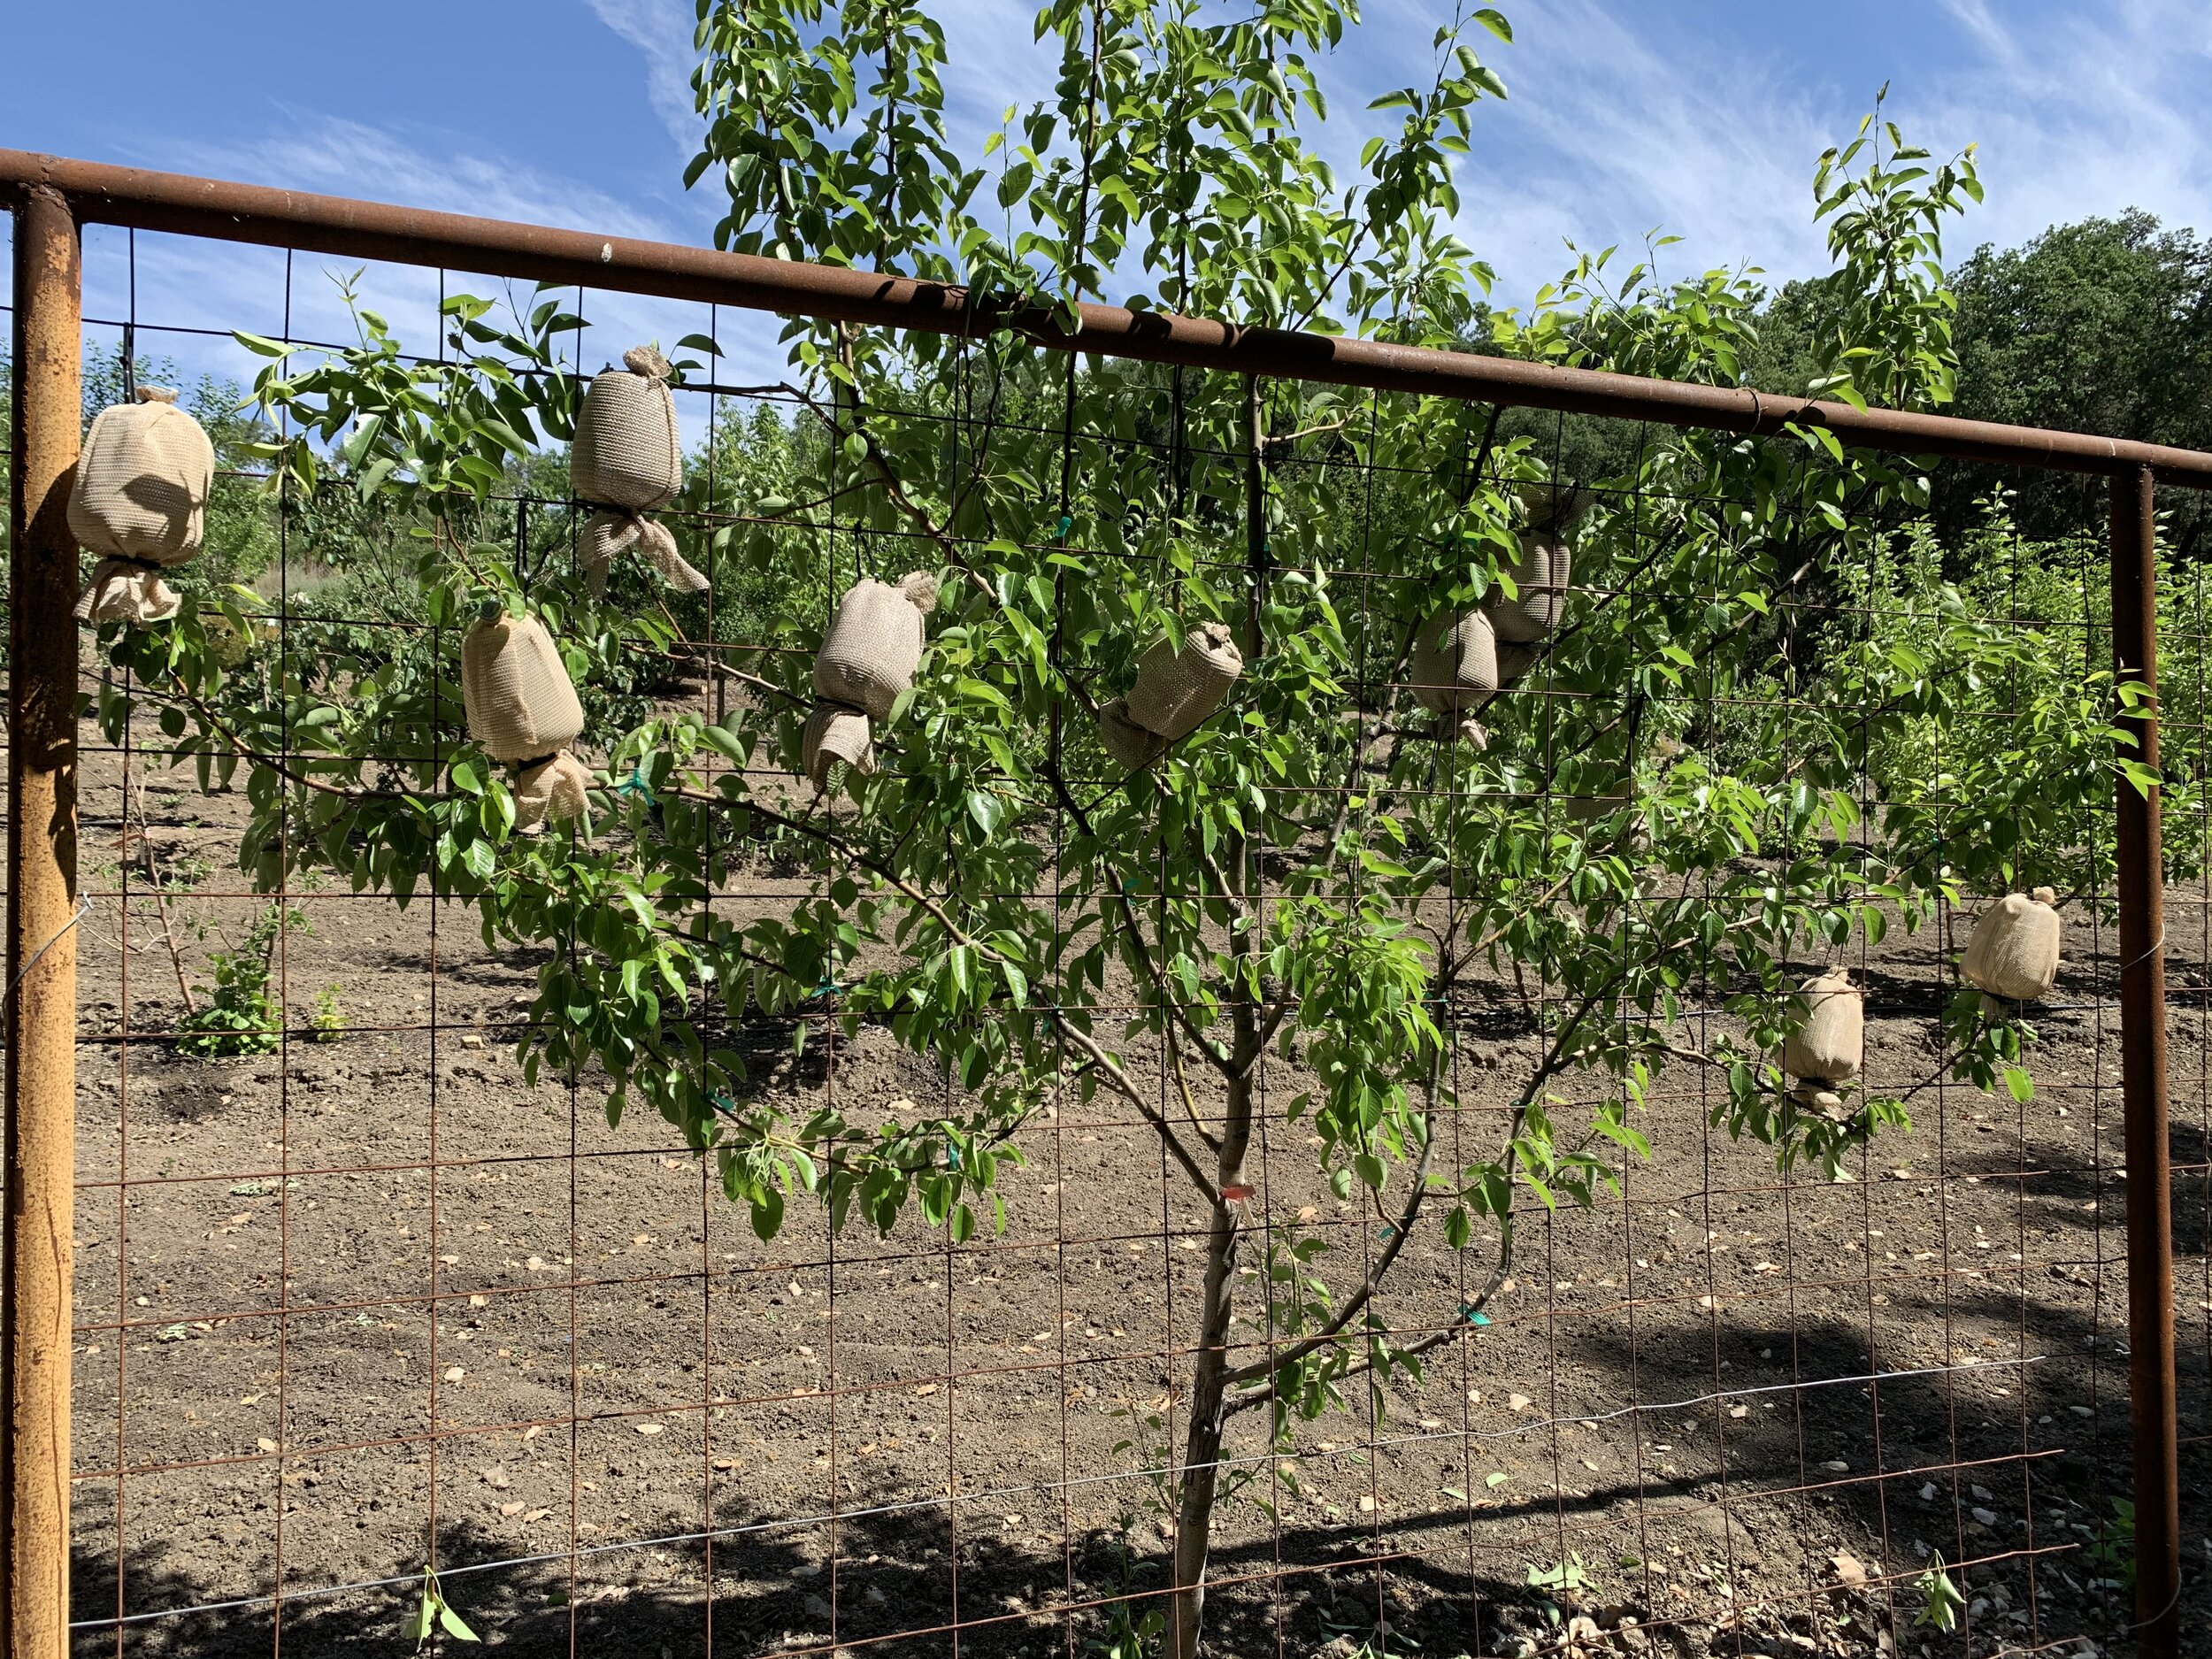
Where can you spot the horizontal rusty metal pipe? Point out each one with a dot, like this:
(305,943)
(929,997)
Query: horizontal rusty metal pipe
(373,230)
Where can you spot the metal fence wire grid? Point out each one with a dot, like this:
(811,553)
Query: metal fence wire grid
(339,1309)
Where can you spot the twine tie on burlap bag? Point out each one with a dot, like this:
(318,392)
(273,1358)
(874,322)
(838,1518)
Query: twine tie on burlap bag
(523,710)
(140,501)
(870,654)
(627,460)
(1176,693)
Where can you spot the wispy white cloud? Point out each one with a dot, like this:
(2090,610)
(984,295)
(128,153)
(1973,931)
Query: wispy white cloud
(449,170)
(1612,132)
(2080,113)
(174,283)
(1619,124)
(662,31)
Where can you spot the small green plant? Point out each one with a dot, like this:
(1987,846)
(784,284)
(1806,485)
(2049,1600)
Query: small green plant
(1558,1581)
(240,1018)
(433,1611)
(1941,1595)
(1130,1633)
(2114,1550)
(327,1020)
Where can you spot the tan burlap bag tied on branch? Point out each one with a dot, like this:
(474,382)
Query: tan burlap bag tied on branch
(867,662)
(626,461)
(522,709)
(1543,571)
(1455,669)
(1830,1047)
(1176,693)
(140,501)
(2014,953)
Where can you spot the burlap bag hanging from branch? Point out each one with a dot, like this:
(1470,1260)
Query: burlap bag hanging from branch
(1455,669)
(1829,1046)
(837,736)
(1544,569)
(874,644)
(1129,743)
(522,709)
(2014,952)
(140,501)
(627,460)
(867,662)
(1176,693)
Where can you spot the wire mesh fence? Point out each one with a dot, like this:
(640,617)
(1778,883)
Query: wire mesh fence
(361,1299)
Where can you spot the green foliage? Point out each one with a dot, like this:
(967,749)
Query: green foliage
(1560,1583)
(2114,1548)
(2104,325)
(435,1614)
(1941,1601)
(327,1021)
(1887,339)
(241,1018)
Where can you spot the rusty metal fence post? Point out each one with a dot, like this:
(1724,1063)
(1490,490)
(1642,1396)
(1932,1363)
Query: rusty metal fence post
(2150,1232)
(41,1004)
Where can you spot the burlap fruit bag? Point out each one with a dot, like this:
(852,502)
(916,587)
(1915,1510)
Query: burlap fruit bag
(1514,660)
(874,644)
(140,501)
(836,736)
(1455,669)
(1543,570)
(867,661)
(522,709)
(1129,743)
(1176,693)
(2014,952)
(626,461)
(1830,1046)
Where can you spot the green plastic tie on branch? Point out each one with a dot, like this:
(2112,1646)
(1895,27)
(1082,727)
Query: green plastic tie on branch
(636,784)
(1472,1315)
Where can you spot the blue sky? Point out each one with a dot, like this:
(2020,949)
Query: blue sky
(1701,117)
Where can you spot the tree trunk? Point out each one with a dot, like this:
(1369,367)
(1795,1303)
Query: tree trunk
(1202,1445)
(1208,1393)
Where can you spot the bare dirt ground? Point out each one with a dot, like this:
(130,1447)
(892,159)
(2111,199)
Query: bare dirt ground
(362,1304)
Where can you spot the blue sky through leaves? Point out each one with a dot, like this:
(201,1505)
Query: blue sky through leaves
(1700,118)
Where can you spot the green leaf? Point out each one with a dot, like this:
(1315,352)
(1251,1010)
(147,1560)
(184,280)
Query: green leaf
(453,1625)
(767,1205)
